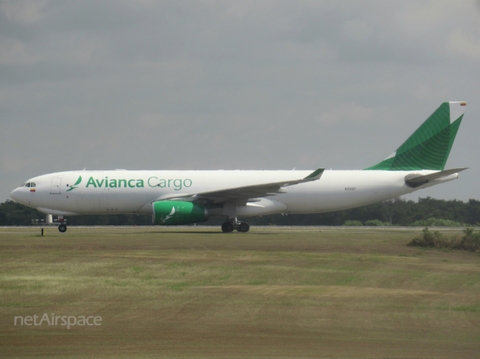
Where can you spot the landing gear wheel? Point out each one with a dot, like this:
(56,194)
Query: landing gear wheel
(243,227)
(227,227)
(62,228)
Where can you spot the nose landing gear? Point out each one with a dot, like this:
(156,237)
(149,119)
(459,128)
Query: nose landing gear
(62,227)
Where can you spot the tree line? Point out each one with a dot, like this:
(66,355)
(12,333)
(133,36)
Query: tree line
(399,212)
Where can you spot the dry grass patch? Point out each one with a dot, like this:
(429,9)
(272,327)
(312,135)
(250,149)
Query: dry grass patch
(304,292)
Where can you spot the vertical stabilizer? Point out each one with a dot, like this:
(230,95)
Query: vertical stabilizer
(429,146)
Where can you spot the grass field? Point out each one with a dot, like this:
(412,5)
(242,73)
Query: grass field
(272,292)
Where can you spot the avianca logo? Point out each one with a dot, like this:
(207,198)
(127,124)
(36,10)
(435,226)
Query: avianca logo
(114,183)
(169,216)
(71,188)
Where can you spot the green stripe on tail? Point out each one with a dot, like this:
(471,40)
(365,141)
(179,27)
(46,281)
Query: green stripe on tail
(429,146)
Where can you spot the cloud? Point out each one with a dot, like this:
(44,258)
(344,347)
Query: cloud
(214,84)
(25,13)
(462,43)
(346,113)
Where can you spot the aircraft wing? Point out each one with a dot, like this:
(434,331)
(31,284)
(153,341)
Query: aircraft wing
(243,194)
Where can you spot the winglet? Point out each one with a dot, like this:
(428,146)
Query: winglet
(315,175)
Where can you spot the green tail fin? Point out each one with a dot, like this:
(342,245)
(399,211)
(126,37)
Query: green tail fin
(429,146)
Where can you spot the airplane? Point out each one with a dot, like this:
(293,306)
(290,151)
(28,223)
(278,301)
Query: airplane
(187,197)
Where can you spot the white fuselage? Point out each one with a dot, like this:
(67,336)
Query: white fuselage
(133,192)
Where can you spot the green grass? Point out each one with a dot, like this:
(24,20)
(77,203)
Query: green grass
(196,292)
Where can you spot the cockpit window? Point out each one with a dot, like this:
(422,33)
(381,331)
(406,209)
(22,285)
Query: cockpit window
(30,184)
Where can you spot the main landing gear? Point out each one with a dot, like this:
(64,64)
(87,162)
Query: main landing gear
(231,225)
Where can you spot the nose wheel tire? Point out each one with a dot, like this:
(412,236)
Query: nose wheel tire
(62,228)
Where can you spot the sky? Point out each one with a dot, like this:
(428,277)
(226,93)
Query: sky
(232,84)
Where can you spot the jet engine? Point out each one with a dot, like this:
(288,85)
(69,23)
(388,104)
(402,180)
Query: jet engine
(178,212)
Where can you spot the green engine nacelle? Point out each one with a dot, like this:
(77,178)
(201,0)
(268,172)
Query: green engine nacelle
(178,212)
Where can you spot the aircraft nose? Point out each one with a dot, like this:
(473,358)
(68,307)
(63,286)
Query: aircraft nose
(15,194)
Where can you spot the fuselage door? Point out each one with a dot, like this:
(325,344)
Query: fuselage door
(56,185)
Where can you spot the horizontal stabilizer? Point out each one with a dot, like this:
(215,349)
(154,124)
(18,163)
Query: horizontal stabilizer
(417,180)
